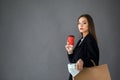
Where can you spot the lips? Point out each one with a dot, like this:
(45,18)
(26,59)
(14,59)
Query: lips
(81,28)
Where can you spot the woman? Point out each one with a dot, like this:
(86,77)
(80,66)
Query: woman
(86,51)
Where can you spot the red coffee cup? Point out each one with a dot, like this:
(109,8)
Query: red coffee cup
(70,40)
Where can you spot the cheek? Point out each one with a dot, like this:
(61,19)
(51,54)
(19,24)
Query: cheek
(79,28)
(86,27)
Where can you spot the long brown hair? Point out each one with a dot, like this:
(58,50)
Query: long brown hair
(91,27)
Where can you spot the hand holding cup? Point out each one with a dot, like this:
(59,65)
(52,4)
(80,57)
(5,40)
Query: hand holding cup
(70,44)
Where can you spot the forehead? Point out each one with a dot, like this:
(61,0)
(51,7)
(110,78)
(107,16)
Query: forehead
(83,19)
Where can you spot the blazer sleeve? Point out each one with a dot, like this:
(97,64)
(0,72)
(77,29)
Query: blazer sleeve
(70,57)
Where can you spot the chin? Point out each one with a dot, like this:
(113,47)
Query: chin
(81,31)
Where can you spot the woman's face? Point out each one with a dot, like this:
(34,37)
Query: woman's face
(83,25)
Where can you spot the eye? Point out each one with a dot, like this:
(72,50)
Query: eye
(84,22)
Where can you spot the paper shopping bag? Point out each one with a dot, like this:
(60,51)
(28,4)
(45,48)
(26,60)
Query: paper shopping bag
(100,72)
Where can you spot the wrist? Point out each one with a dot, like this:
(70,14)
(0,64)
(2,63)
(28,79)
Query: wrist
(70,52)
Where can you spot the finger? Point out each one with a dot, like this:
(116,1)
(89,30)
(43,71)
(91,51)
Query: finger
(79,65)
(71,46)
(76,66)
(66,47)
(67,43)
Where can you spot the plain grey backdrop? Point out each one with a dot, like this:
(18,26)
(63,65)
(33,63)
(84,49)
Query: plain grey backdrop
(33,34)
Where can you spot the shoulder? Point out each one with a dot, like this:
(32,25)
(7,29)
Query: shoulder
(90,38)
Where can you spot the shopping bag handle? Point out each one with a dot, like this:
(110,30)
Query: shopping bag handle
(93,62)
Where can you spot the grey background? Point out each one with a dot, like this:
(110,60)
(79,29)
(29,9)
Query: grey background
(33,34)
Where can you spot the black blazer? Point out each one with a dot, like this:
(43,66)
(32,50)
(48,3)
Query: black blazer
(86,50)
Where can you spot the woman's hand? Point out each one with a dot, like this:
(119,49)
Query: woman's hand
(69,48)
(79,65)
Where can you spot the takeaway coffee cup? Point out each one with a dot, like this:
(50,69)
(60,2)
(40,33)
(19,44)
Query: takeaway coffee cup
(70,40)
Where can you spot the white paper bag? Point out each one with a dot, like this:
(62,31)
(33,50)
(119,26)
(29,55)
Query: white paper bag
(72,69)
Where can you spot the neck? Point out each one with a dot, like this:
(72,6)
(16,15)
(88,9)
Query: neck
(84,34)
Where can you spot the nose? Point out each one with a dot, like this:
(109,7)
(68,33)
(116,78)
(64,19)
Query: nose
(81,25)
